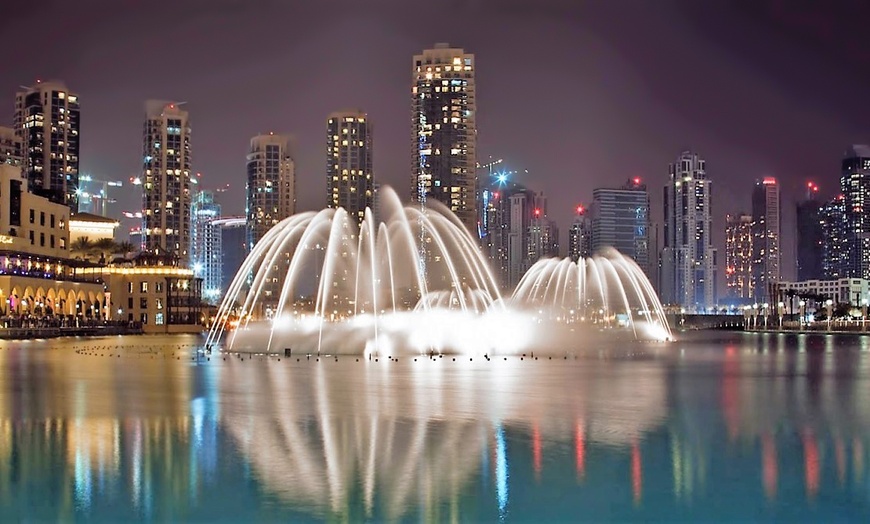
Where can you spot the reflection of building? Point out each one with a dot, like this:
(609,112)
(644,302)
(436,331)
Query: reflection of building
(166,179)
(271,186)
(11,148)
(47,121)
(349,178)
(154,290)
(444,132)
(620,219)
(94,227)
(810,235)
(205,244)
(855,186)
(37,275)
(738,256)
(688,276)
(766,235)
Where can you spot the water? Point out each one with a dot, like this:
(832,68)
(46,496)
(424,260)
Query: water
(714,427)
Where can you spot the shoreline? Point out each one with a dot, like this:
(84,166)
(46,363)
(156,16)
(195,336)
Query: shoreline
(53,332)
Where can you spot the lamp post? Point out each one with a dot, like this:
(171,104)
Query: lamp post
(747,314)
(829,306)
(863,314)
(766,312)
(755,316)
(803,306)
(781,311)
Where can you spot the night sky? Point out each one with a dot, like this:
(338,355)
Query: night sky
(580,94)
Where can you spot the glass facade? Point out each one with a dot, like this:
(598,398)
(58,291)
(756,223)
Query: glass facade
(349,178)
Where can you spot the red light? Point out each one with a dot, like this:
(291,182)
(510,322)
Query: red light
(537,212)
(769,181)
(636,180)
(580,209)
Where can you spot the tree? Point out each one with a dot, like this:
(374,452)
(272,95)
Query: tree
(82,248)
(125,247)
(104,246)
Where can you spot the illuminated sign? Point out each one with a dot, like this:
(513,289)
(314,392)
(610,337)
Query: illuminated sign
(5,239)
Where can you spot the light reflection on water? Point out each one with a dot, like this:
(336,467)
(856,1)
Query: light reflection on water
(717,426)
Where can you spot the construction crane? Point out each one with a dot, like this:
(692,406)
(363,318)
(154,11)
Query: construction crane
(96,200)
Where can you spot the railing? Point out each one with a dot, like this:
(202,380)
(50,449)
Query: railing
(34,273)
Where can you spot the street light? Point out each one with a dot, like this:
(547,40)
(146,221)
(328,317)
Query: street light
(829,305)
(803,306)
(781,307)
(863,313)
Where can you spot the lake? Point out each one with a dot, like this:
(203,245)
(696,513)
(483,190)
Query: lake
(717,426)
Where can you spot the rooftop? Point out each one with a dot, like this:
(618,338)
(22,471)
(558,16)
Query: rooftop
(90,217)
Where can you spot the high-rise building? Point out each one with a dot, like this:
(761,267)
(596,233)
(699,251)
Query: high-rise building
(271,184)
(810,236)
(855,186)
(47,122)
(835,260)
(766,237)
(349,178)
(444,132)
(166,179)
(205,244)
(738,257)
(521,204)
(620,219)
(543,234)
(11,148)
(580,235)
(689,263)
(233,232)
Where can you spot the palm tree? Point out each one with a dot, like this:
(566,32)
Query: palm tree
(103,246)
(82,248)
(125,247)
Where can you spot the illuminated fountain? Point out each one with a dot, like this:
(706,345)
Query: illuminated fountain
(606,290)
(412,282)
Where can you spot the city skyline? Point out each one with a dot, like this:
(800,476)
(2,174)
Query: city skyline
(743,137)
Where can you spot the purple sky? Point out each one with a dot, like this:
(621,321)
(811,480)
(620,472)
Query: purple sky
(581,94)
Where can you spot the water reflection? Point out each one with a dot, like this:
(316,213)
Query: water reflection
(729,427)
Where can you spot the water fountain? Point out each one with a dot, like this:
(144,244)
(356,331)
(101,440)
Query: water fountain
(413,280)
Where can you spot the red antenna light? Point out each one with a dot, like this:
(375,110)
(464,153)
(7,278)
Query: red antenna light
(580,209)
(537,212)
(636,180)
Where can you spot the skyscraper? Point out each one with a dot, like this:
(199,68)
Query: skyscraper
(271,184)
(233,232)
(620,219)
(47,122)
(855,185)
(810,235)
(11,149)
(738,257)
(543,234)
(349,178)
(444,132)
(205,244)
(835,260)
(580,235)
(688,257)
(166,179)
(766,235)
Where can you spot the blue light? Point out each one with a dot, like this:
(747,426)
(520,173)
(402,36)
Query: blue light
(501,471)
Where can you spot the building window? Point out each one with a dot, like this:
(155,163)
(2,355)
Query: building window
(158,319)
(42,218)
(31,238)
(42,239)
(158,287)
(51,241)
(143,286)
(130,303)
(143,318)
(159,303)
(130,288)
(51,221)
(15,203)
(143,303)
(32,216)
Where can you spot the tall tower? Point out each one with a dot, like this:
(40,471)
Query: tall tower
(349,178)
(855,185)
(543,234)
(766,235)
(271,185)
(206,254)
(580,235)
(688,257)
(166,179)
(47,122)
(444,132)
(738,256)
(835,233)
(620,219)
(810,235)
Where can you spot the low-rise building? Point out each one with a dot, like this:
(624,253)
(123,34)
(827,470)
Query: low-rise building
(93,227)
(852,291)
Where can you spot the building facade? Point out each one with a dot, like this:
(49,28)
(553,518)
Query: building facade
(840,290)
(855,187)
(580,235)
(689,265)
(738,257)
(47,121)
(233,232)
(766,238)
(810,235)
(444,131)
(543,233)
(11,147)
(835,260)
(271,185)
(205,244)
(349,178)
(166,179)
(621,220)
